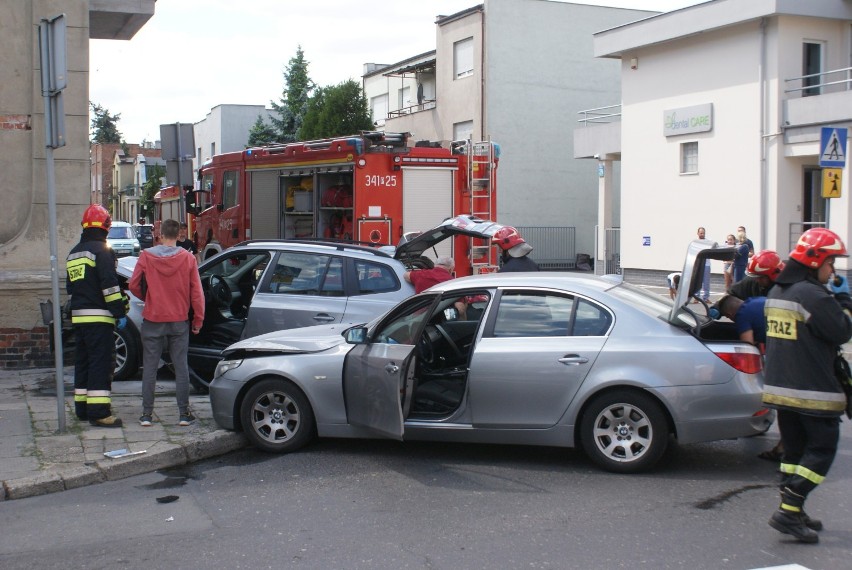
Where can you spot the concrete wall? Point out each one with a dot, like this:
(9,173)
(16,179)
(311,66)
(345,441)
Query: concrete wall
(226,126)
(660,203)
(540,71)
(25,265)
(24,243)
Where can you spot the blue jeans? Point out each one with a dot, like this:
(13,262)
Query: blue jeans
(156,336)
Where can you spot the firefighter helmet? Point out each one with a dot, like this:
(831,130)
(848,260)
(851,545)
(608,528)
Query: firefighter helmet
(511,242)
(765,263)
(507,237)
(96,216)
(816,245)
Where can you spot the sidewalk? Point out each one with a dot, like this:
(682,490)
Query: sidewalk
(36,460)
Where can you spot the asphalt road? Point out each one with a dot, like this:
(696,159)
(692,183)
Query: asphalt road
(382,504)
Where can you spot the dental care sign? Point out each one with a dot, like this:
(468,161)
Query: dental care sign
(697,119)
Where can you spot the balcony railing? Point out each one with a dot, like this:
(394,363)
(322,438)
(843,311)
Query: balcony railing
(609,114)
(424,106)
(812,84)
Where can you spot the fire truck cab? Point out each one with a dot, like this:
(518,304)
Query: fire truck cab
(372,188)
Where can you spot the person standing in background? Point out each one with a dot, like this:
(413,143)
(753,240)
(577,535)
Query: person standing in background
(748,241)
(704,294)
(741,260)
(728,266)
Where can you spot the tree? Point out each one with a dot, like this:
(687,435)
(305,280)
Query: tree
(336,110)
(154,176)
(262,133)
(294,99)
(104,125)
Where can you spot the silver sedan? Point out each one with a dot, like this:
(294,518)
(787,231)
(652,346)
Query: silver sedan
(523,358)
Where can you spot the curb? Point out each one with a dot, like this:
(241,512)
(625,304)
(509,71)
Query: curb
(162,456)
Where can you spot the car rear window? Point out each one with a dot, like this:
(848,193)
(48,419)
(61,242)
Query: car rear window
(375,278)
(652,304)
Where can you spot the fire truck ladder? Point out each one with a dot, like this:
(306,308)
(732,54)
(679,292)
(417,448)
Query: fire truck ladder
(480,165)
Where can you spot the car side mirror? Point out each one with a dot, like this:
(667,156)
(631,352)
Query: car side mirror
(356,335)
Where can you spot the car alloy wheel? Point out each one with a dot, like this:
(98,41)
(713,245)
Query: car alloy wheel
(624,431)
(126,354)
(276,416)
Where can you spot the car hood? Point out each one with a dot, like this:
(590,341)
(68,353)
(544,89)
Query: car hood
(412,246)
(697,254)
(307,339)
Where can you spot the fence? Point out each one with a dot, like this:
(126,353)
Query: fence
(554,247)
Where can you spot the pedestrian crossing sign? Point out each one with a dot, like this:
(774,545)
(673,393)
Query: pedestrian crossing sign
(832,147)
(832,179)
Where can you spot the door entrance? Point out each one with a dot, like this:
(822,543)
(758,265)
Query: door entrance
(814,206)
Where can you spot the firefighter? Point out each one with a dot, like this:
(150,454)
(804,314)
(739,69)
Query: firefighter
(763,268)
(98,306)
(805,325)
(516,251)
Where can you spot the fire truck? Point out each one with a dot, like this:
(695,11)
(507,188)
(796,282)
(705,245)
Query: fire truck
(372,188)
(167,206)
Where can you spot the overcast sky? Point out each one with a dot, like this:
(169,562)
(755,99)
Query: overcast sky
(195,54)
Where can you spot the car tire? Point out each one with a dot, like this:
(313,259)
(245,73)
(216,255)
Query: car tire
(276,416)
(624,431)
(127,355)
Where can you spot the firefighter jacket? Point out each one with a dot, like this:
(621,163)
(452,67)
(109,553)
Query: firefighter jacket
(96,296)
(805,325)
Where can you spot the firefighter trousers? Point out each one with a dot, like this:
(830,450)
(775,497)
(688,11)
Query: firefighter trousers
(94,364)
(810,444)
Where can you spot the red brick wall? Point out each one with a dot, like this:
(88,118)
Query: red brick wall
(25,349)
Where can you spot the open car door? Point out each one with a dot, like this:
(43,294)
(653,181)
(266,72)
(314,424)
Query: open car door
(378,374)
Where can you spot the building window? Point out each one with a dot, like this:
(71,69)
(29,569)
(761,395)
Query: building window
(212,149)
(462,131)
(811,65)
(463,58)
(379,109)
(689,158)
(404,98)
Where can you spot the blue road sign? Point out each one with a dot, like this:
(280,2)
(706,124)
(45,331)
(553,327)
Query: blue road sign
(832,147)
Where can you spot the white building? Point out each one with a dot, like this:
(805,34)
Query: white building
(225,129)
(517,71)
(720,128)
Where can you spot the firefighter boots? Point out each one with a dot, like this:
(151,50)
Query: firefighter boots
(790,518)
(108,422)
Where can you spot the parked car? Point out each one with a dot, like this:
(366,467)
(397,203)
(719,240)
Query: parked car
(145,235)
(268,285)
(557,359)
(122,239)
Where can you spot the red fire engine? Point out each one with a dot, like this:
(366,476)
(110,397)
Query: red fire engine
(371,188)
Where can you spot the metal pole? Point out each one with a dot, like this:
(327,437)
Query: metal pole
(54,283)
(181,203)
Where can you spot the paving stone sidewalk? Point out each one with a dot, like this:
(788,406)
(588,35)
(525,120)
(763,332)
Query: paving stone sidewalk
(36,459)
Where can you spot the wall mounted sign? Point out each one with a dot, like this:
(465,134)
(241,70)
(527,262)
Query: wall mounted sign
(685,120)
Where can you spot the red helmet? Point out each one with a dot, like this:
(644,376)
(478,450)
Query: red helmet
(765,263)
(816,245)
(507,237)
(96,216)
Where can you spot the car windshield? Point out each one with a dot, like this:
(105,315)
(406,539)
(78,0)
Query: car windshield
(120,232)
